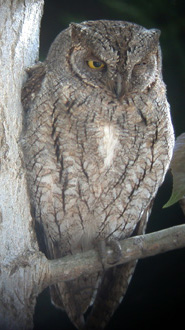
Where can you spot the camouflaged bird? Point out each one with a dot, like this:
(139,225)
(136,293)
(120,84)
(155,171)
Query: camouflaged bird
(97,142)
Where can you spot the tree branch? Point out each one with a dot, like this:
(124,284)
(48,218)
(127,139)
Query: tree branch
(138,247)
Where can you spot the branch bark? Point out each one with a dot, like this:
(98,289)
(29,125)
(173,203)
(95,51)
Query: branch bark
(132,248)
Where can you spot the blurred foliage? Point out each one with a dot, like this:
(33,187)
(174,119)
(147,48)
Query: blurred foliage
(167,15)
(178,171)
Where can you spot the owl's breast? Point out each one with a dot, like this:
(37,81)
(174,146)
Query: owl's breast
(96,172)
(101,181)
(108,144)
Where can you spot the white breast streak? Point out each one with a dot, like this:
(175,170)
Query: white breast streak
(110,142)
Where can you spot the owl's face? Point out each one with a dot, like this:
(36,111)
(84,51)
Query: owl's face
(121,58)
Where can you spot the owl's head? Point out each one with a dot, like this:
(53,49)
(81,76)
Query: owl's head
(119,57)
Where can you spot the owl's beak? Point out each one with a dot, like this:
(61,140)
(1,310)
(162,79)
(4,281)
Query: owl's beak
(120,86)
(117,85)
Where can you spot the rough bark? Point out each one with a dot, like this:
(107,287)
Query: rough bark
(19,42)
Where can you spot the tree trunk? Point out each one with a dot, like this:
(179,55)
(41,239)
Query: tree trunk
(19,31)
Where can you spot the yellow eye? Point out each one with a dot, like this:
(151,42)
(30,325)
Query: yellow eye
(95,64)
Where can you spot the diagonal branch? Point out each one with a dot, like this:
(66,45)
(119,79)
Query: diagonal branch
(133,248)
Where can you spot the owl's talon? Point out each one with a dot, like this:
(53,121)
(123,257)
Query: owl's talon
(101,249)
(112,256)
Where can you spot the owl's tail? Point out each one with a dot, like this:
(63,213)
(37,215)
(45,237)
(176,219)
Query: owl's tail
(75,297)
(104,290)
(114,285)
(110,293)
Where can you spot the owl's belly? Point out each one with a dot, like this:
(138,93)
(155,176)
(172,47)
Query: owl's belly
(85,210)
(103,189)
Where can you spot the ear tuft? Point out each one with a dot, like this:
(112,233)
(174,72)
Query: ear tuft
(78,31)
(154,35)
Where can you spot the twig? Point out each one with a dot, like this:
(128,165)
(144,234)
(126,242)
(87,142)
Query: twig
(137,247)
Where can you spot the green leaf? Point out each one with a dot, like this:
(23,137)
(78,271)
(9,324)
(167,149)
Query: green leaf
(178,171)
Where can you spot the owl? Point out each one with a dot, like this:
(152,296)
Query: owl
(97,141)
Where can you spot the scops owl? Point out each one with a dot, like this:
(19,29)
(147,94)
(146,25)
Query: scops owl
(97,142)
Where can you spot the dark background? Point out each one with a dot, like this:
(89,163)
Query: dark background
(156,296)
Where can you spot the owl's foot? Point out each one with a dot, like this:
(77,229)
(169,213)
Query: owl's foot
(109,256)
(114,254)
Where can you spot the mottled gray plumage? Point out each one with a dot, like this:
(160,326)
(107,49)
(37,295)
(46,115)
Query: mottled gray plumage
(97,143)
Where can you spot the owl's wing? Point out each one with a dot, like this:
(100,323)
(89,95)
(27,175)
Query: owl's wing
(109,288)
(32,86)
(75,297)
(114,286)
